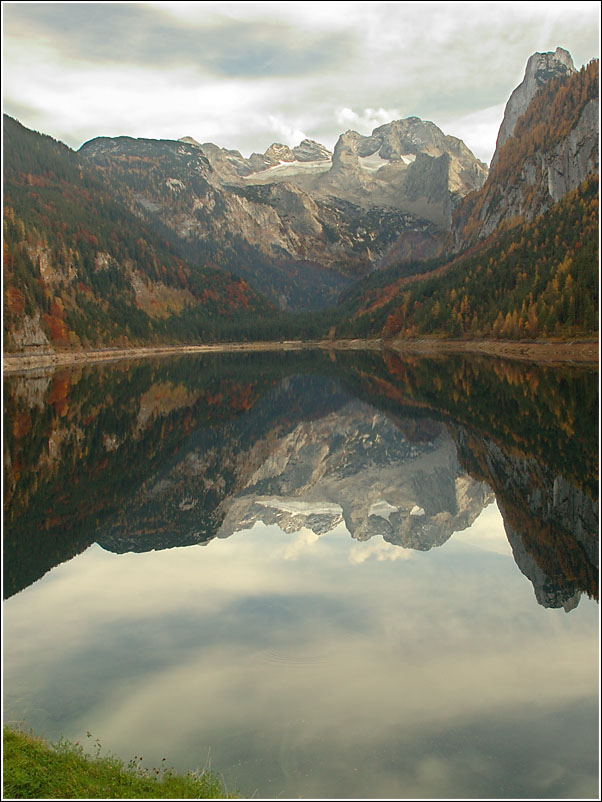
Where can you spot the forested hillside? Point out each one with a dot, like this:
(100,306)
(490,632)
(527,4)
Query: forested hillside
(81,270)
(537,279)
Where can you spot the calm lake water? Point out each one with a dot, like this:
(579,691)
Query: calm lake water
(339,576)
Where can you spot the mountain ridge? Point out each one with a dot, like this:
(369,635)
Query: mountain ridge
(301,225)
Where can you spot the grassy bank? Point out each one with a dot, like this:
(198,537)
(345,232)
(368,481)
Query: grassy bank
(35,769)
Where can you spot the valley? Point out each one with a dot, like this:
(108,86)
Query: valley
(400,234)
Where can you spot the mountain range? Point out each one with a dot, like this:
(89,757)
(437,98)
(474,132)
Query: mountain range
(141,240)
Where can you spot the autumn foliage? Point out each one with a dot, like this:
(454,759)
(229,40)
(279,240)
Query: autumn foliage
(538,280)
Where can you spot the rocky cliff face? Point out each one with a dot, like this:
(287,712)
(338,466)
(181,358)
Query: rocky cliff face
(408,168)
(231,164)
(399,165)
(80,269)
(547,146)
(311,151)
(301,224)
(573,159)
(541,68)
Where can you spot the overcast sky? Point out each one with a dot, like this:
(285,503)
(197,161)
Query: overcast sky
(244,75)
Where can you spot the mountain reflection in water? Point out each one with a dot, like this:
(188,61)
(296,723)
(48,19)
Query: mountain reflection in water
(303,567)
(178,451)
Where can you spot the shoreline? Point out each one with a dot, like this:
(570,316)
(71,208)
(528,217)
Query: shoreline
(550,351)
(17,363)
(574,352)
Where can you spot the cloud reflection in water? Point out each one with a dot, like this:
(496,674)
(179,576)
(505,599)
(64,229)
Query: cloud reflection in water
(313,665)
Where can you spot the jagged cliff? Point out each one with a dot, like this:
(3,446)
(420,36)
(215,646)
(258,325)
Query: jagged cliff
(541,68)
(547,146)
(408,164)
(80,269)
(124,241)
(329,219)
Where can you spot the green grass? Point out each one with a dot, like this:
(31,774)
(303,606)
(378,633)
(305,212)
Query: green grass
(35,769)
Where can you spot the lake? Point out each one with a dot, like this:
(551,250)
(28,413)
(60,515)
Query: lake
(336,575)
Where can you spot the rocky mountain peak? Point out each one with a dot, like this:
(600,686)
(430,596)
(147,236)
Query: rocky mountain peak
(345,155)
(540,63)
(541,68)
(280,153)
(189,141)
(311,151)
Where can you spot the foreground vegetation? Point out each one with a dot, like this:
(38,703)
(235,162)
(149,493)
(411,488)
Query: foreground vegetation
(35,769)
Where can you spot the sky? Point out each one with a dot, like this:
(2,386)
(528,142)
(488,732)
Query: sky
(246,74)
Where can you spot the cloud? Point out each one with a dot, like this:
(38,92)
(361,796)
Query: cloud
(367,120)
(284,131)
(379,550)
(300,543)
(431,672)
(135,34)
(478,130)
(246,74)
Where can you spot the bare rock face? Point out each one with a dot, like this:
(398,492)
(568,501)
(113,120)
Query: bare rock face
(407,167)
(28,337)
(190,141)
(387,169)
(424,169)
(345,155)
(402,141)
(229,165)
(310,151)
(279,153)
(406,138)
(545,178)
(541,156)
(301,248)
(335,211)
(276,154)
(541,68)
(576,157)
(427,188)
